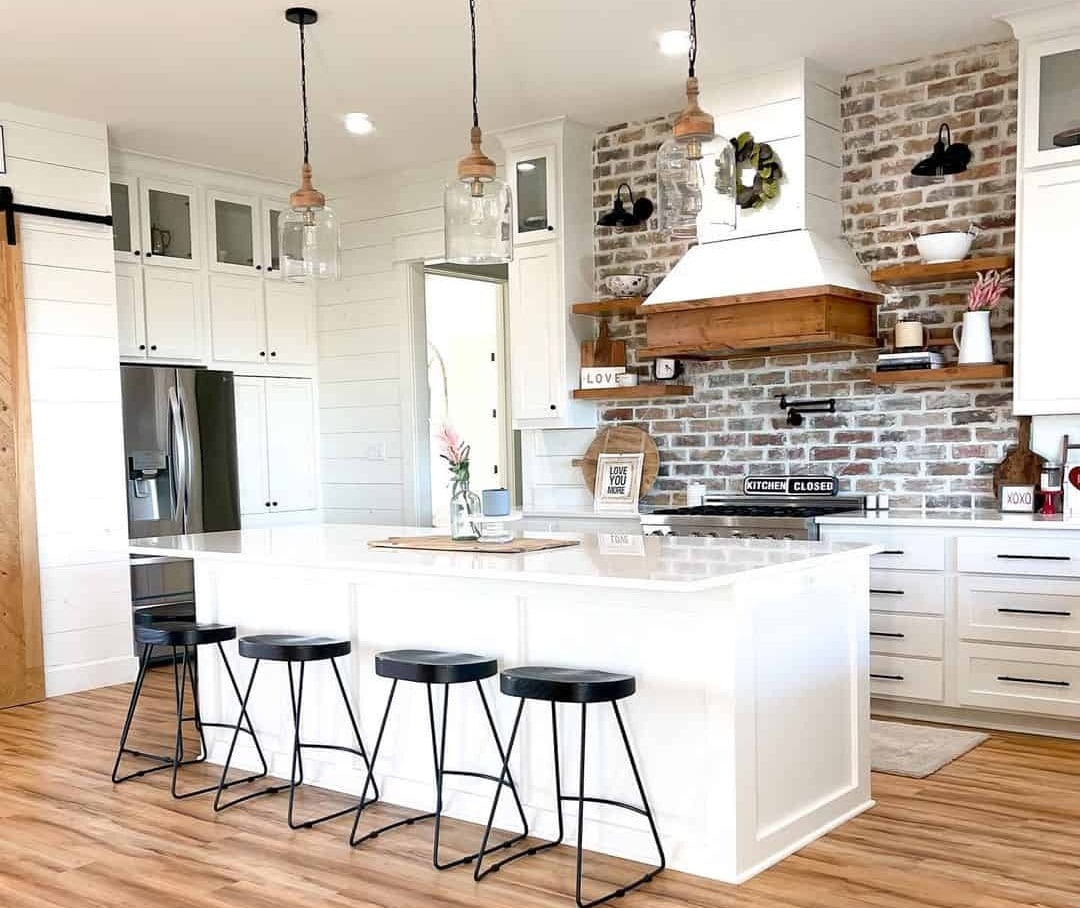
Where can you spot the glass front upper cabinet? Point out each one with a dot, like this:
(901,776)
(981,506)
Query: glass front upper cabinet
(534,186)
(125,215)
(271,251)
(168,224)
(1052,108)
(233,245)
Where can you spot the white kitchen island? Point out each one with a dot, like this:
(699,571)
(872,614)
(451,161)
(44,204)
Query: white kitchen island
(751,716)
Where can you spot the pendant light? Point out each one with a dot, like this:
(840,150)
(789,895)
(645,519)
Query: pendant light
(947,158)
(476,206)
(308,233)
(684,190)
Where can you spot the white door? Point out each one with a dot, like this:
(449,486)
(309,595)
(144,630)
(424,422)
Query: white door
(536,334)
(130,316)
(533,174)
(169,222)
(232,228)
(237,327)
(251,445)
(124,207)
(291,452)
(290,323)
(172,314)
(1047,321)
(270,211)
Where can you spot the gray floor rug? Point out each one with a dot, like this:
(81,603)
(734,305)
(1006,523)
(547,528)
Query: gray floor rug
(917,751)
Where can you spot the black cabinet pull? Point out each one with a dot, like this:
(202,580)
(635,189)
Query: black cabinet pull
(886,677)
(262,353)
(149,255)
(1018,680)
(1036,557)
(894,634)
(551,227)
(273,352)
(267,504)
(1035,611)
(552,406)
(153,346)
(274,503)
(136,252)
(258,267)
(142,346)
(892,552)
(887,592)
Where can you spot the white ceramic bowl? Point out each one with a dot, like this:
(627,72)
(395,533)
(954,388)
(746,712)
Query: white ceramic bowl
(626,284)
(951,246)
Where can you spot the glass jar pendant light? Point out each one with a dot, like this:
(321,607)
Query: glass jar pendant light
(476,206)
(308,234)
(686,187)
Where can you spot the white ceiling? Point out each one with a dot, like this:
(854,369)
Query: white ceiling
(216,82)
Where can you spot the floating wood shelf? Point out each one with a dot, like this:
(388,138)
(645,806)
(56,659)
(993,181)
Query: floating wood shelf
(948,374)
(634,392)
(823,343)
(916,273)
(622,306)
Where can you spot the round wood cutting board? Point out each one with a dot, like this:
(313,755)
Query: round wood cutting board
(622,440)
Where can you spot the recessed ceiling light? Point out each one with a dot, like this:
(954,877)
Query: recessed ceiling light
(674,43)
(526,167)
(359,124)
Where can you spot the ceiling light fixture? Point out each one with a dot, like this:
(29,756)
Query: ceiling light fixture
(526,167)
(307,231)
(359,124)
(946,159)
(674,43)
(683,191)
(476,206)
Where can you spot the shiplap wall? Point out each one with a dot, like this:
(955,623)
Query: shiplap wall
(367,365)
(76,418)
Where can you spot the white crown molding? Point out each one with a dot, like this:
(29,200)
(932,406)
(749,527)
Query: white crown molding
(1043,21)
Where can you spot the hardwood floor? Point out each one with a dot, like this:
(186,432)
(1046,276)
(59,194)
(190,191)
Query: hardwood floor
(998,828)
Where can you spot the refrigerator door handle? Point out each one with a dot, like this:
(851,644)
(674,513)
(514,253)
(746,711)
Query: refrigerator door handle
(189,452)
(180,459)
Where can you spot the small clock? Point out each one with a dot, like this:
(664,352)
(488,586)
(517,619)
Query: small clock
(664,368)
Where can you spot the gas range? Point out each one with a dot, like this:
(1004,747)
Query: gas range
(749,517)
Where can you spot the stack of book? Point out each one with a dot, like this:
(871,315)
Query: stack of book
(904,358)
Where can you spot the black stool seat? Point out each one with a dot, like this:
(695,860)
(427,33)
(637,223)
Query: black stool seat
(565,685)
(183,633)
(430,666)
(159,614)
(293,648)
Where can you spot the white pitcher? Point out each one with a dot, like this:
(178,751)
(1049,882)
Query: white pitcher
(972,337)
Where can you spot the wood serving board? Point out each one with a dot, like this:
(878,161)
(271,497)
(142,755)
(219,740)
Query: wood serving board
(622,440)
(446,544)
(1021,466)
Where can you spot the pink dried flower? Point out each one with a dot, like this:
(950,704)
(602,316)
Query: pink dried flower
(988,289)
(455,452)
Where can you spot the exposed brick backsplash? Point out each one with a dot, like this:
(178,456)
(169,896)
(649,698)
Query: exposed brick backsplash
(932,447)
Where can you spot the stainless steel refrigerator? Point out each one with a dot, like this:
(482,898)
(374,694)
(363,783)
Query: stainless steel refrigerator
(180,462)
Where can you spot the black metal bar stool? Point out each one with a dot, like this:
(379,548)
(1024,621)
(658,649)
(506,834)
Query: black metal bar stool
(292,649)
(584,686)
(429,667)
(183,637)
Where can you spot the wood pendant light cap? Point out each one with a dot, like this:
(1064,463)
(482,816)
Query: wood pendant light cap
(307,196)
(476,165)
(693,123)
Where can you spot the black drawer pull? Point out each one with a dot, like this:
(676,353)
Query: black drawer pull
(887,677)
(1035,611)
(894,634)
(892,552)
(1033,681)
(887,592)
(1036,557)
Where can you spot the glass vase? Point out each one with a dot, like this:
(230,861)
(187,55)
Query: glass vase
(465,513)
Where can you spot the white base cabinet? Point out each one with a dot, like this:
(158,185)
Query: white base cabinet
(276,445)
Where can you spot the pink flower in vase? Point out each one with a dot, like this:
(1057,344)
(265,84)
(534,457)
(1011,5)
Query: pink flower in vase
(988,290)
(455,452)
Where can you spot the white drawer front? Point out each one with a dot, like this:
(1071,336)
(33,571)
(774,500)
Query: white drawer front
(906,679)
(1042,554)
(905,591)
(906,635)
(1030,610)
(903,550)
(1020,678)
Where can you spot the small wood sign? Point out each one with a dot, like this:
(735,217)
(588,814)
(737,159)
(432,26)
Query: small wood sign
(1017,499)
(618,483)
(790,485)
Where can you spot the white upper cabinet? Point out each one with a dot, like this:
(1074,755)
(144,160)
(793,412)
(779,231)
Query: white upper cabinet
(130,314)
(1051,105)
(173,307)
(536,335)
(127,238)
(237,322)
(233,222)
(290,323)
(269,212)
(1047,321)
(169,223)
(534,178)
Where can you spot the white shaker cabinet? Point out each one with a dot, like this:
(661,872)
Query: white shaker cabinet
(536,335)
(258,321)
(130,312)
(290,323)
(276,445)
(158,313)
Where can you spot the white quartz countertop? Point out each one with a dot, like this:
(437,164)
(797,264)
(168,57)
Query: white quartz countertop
(970,519)
(626,560)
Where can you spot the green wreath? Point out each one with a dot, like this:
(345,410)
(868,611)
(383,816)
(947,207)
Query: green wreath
(769,173)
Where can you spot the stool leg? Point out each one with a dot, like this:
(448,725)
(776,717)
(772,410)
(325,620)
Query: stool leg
(355,725)
(297,756)
(375,833)
(581,808)
(509,775)
(438,751)
(641,791)
(136,691)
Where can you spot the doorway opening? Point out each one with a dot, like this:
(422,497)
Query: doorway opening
(464,316)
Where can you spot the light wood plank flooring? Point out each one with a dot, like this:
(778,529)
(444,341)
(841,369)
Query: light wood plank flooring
(998,828)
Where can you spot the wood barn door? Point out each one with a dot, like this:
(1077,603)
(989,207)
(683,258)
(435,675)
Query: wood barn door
(22,670)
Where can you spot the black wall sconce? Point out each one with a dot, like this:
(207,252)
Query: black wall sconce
(640,211)
(796,408)
(946,159)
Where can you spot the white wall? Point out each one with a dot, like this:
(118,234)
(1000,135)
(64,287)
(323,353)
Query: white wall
(75,399)
(367,364)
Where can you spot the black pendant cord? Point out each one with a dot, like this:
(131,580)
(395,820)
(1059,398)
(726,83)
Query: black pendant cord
(692,53)
(303,87)
(475,96)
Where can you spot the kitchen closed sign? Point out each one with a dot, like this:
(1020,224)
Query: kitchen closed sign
(790,485)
